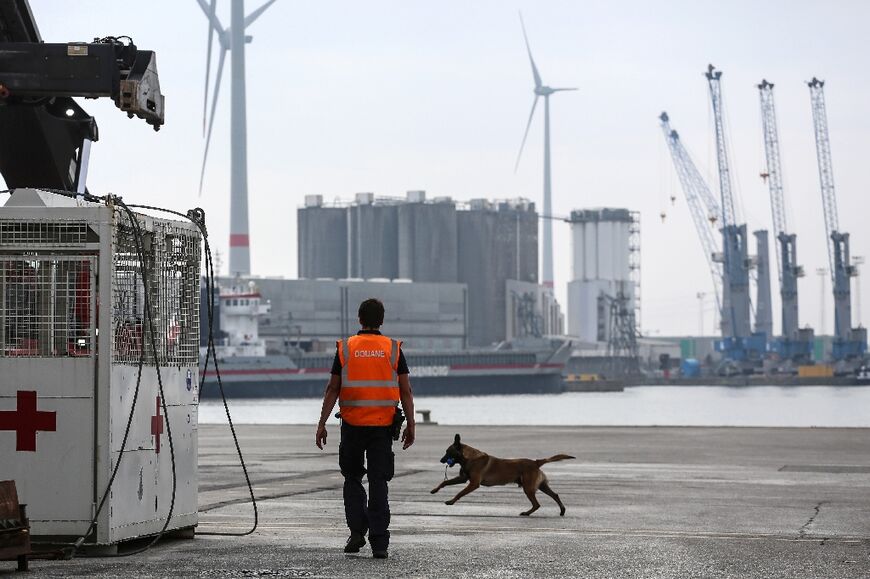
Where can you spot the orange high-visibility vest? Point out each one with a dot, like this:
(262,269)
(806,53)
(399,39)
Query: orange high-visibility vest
(369,391)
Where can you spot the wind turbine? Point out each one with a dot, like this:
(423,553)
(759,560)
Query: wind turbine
(232,39)
(541,90)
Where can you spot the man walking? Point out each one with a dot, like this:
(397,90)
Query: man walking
(369,379)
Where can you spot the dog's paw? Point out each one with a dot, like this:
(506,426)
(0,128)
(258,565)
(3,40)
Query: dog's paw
(524,514)
(433,491)
(450,502)
(562,513)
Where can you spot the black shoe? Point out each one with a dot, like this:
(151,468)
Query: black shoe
(354,543)
(380,554)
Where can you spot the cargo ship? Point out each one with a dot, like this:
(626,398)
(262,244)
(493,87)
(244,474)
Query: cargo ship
(531,366)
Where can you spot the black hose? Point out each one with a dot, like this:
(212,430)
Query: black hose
(137,236)
(140,254)
(197,217)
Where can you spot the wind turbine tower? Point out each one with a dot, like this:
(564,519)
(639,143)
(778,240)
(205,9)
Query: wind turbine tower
(541,90)
(232,39)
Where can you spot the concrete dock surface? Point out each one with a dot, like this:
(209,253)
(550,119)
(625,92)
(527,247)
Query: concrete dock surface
(641,502)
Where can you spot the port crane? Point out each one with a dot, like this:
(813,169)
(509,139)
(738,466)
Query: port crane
(849,343)
(795,344)
(738,341)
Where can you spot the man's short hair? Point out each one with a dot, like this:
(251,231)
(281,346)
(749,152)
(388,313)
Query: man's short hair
(371,313)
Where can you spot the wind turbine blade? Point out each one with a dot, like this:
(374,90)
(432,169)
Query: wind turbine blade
(537,76)
(217,91)
(212,17)
(526,134)
(212,9)
(249,19)
(562,89)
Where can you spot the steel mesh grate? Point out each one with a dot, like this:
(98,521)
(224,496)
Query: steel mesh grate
(48,299)
(41,233)
(172,259)
(46,306)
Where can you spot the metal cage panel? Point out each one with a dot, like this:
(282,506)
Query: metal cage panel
(47,305)
(172,256)
(41,233)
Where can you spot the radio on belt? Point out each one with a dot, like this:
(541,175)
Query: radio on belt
(72,328)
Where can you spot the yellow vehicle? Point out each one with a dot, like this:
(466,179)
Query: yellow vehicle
(583,378)
(816,371)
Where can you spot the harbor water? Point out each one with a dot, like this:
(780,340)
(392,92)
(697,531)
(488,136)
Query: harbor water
(775,406)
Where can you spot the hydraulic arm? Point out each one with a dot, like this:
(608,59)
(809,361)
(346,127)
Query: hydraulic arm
(45,135)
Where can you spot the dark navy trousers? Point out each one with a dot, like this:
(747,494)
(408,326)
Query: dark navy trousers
(367,449)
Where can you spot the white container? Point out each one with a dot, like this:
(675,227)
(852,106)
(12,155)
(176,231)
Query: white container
(71,319)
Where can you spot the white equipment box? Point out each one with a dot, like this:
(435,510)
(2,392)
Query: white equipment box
(72,328)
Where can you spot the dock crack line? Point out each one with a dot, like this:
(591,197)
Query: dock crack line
(802,532)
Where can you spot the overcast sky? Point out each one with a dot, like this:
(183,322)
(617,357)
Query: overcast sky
(387,96)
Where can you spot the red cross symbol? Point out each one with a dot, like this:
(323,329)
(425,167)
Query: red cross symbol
(26,420)
(157,427)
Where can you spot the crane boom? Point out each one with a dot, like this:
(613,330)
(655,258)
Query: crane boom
(714,80)
(786,257)
(702,197)
(698,198)
(773,175)
(826,170)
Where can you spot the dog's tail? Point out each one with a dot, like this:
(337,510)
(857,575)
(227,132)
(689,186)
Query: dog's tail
(554,458)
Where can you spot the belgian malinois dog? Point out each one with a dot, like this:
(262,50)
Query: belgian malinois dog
(478,468)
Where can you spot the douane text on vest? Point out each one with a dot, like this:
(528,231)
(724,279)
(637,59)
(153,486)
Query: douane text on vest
(369,354)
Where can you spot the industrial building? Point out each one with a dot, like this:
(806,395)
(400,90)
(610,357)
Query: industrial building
(379,238)
(482,244)
(499,242)
(312,314)
(428,239)
(605,271)
(372,233)
(325,228)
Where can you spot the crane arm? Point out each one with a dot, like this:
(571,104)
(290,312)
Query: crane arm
(826,171)
(698,198)
(44,134)
(728,214)
(774,165)
(108,67)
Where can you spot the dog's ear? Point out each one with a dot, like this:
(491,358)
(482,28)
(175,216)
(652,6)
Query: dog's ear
(456,440)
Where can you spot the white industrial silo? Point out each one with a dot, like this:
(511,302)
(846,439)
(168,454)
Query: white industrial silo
(603,269)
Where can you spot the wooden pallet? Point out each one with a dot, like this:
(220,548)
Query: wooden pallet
(14,526)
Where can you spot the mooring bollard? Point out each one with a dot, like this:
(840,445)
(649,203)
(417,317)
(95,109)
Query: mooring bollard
(426,414)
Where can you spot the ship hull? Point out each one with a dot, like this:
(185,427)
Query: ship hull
(272,377)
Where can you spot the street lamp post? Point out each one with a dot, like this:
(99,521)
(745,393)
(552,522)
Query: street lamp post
(822,273)
(701,296)
(857,261)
